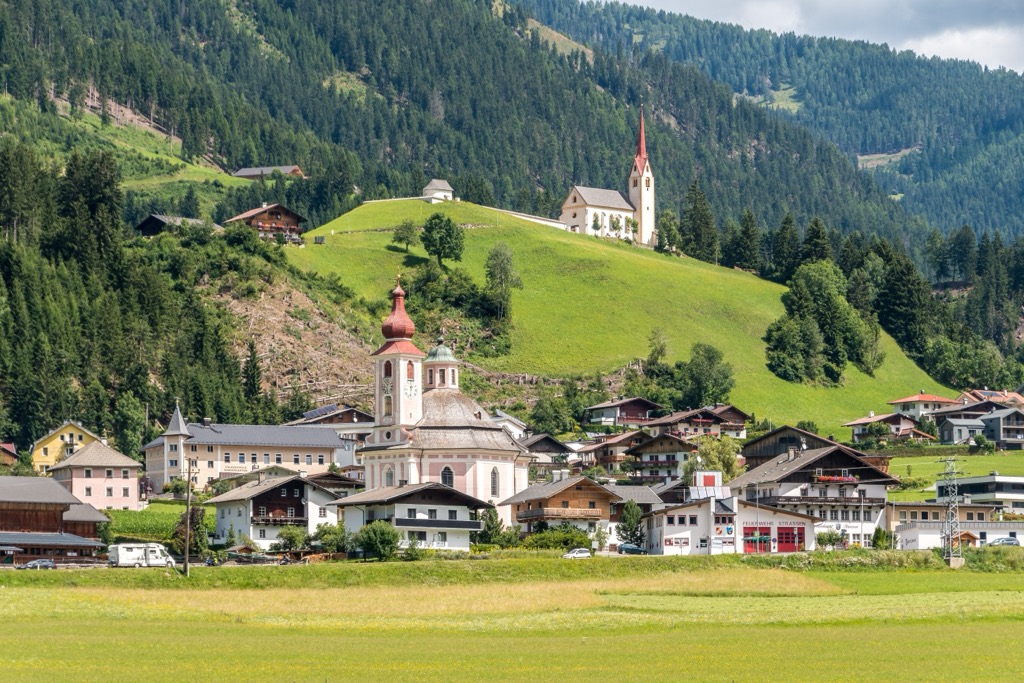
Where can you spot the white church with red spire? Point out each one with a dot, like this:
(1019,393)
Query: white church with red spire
(427,431)
(609,213)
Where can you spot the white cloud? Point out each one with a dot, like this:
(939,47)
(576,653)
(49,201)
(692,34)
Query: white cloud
(987,31)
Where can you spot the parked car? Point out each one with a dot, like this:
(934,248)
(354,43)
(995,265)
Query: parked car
(631,549)
(38,564)
(577,554)
(1005,540)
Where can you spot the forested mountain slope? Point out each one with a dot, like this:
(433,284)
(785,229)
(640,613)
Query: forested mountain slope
(962,122)
(374,98)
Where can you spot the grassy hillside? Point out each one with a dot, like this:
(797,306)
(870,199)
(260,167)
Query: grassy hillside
(589,304)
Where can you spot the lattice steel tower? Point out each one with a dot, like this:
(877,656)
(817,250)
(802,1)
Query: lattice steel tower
(951,523)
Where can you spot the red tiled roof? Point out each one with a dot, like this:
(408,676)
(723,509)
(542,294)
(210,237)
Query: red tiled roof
(398,346)
(930,398)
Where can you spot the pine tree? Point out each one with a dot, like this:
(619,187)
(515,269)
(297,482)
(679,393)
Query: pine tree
(699,234)
(816,245)
(785,250)
(748,248)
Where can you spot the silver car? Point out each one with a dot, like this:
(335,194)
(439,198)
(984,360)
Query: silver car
(1005,540)
(577,554)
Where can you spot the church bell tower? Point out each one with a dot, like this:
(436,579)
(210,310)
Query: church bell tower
(641,189)
(398,375)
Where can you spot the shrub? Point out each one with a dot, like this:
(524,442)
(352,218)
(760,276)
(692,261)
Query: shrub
(829,538)
(564,537)
(378,539)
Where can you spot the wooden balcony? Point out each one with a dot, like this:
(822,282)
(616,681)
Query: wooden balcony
(558,514)
(271,520)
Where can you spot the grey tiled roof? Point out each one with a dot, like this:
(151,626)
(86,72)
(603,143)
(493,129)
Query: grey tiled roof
(438,184)
(282,436)
(641,495)
(254,488)
(606,199)
(546,490)
(34,490)
(29,539)
(262,170)
(96,454)
(83,512)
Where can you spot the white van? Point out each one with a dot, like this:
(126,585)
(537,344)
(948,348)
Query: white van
(139,555)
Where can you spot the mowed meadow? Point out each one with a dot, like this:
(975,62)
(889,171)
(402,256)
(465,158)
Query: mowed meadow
(662,619)
(589,305)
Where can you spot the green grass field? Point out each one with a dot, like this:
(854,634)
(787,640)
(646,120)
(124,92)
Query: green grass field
(661,619)
(590,304)
(928,466)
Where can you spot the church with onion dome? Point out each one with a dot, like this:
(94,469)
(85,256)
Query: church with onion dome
(426,430)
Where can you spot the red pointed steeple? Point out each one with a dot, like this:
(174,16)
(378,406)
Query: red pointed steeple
(641,145)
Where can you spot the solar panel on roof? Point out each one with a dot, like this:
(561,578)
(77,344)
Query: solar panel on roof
(318,412)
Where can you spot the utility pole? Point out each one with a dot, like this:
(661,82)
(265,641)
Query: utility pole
(188,515)
(951,551)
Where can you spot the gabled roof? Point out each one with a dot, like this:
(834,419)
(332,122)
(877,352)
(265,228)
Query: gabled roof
(871,419)
(928,398)
(622,401)
(551,488)
(530,441)
(502,415)
(1005,412)
(255,171)
(254,488)
(84,512)
(438,184)
(322,413)
(255,212)
(998,395)
(155,222)
(803,432)
(387,495)
(283,436)
(986,406)
(35,490)
(641,495)
(681,440)
(65,423)
(44,540)
(611,441)
(96,454)
(605,199)
(685,415)
(781,466)
(964,422)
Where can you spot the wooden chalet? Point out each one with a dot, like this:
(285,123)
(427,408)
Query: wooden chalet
(661,458)
(623,412)
(8,455)
(41,518)
(713,421)
(581,501)
(272,220)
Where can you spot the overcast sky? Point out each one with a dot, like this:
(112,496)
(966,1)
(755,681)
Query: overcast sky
(987,31)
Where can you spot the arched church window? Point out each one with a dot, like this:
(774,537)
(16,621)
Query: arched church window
(430,376)
(448,477)
(494,482)
(387,406)
(387,368)
(440,376)
(454,381)
(648,183)
(634,182)
(410,371)
(389,477)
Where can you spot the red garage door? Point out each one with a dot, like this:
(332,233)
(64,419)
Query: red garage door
(757,539)
(791,539)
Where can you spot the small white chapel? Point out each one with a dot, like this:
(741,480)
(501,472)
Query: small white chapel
(609,213)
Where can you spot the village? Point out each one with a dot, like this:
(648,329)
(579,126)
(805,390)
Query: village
(439,472)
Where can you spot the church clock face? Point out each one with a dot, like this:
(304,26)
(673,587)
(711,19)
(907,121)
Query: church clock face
(386,385)
(410,389)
